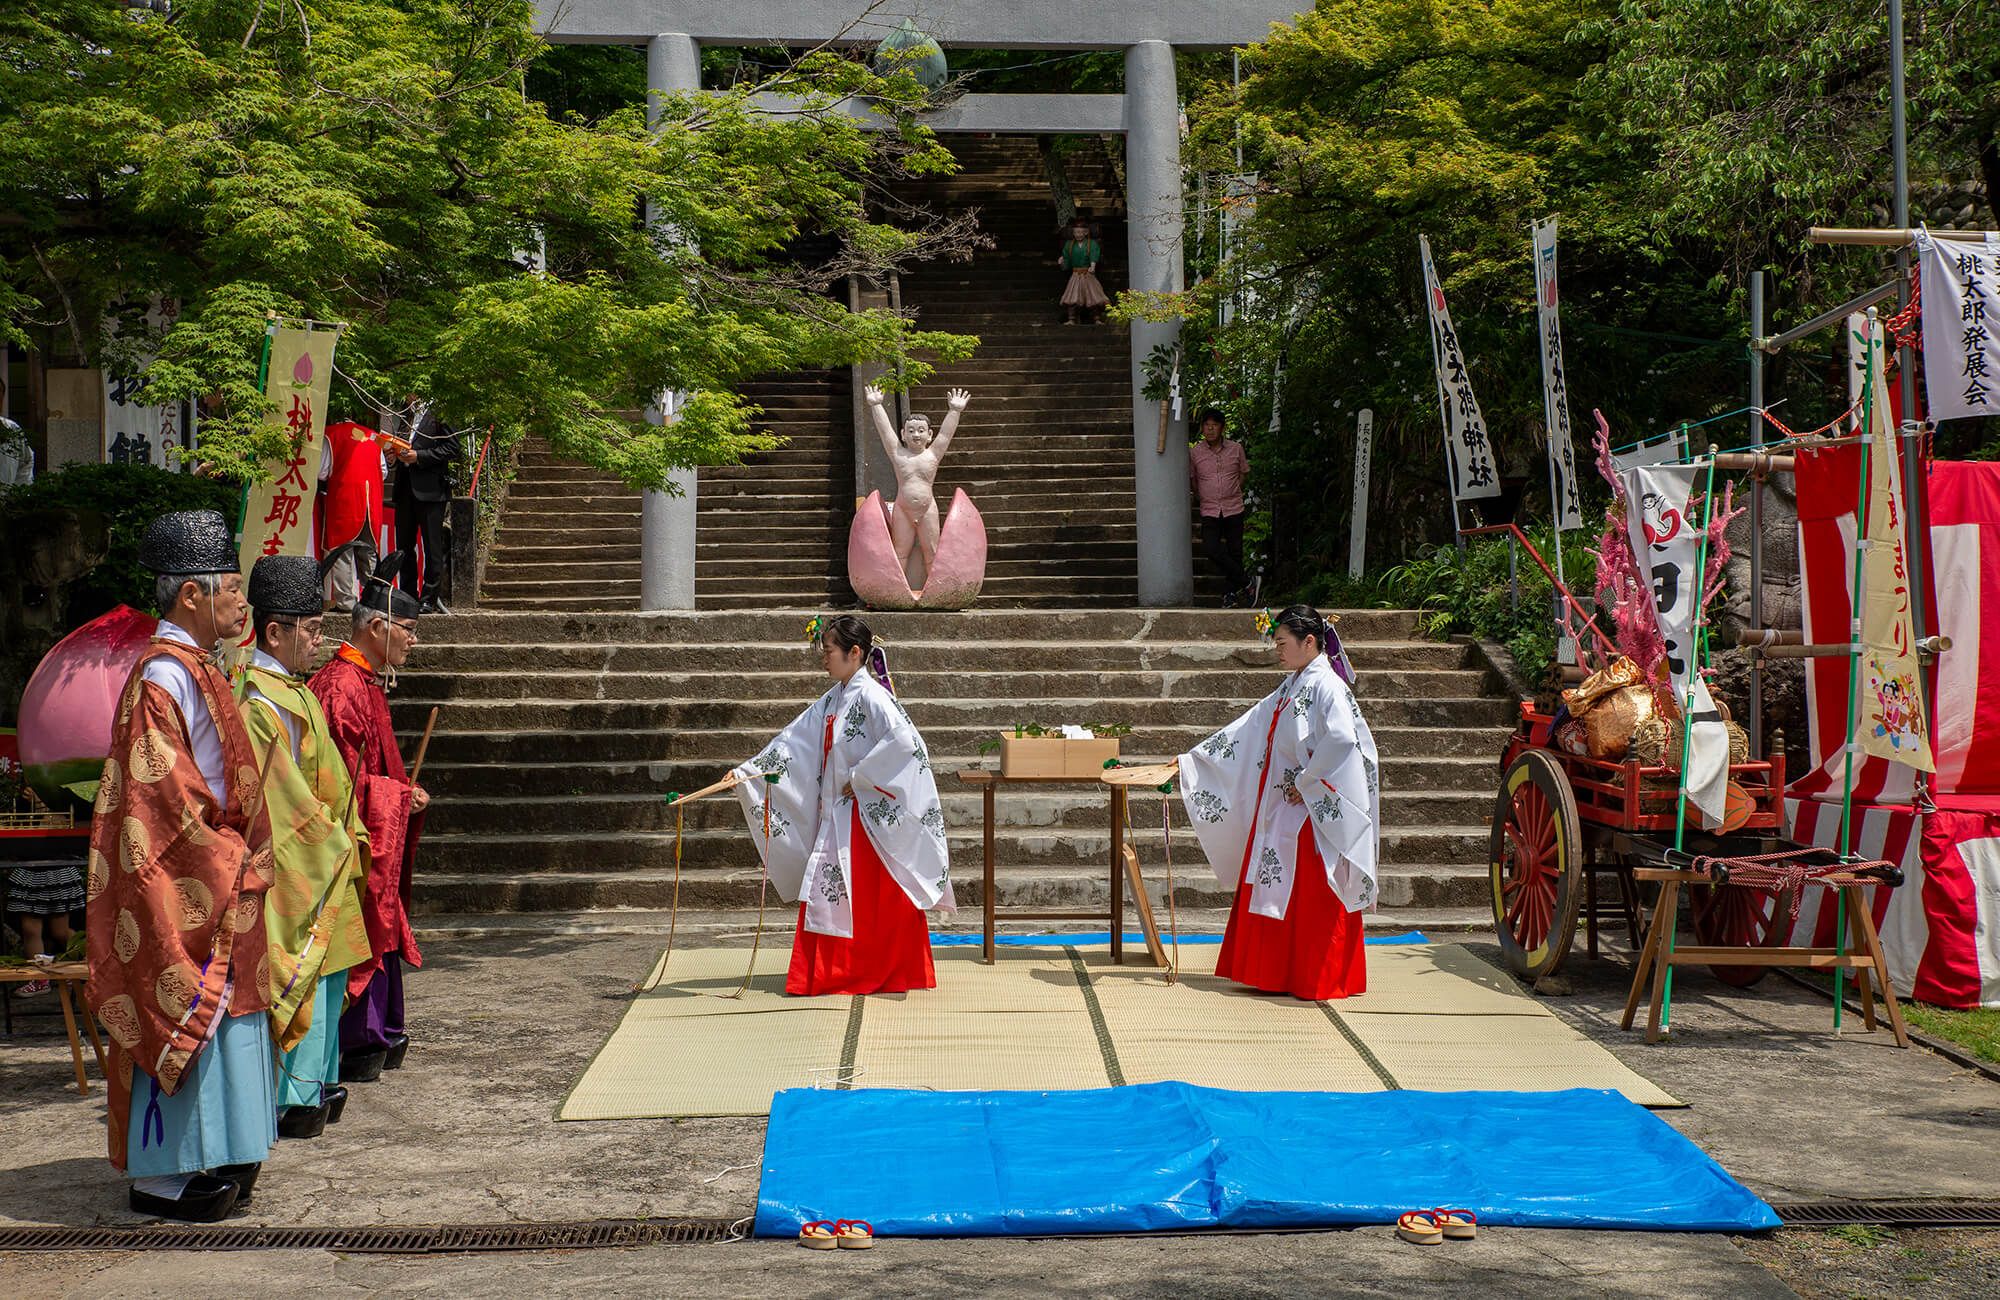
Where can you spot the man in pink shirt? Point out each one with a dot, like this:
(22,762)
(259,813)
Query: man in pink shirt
(1217,467)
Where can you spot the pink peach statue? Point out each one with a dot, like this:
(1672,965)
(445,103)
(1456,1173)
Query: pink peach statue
(898,554)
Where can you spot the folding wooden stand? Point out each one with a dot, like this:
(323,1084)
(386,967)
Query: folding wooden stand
(1862,956)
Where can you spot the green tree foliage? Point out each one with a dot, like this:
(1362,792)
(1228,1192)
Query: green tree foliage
(1681,142)
(1763,118)
(378,162)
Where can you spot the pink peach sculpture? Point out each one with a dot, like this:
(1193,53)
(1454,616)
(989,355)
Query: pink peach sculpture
(957,570)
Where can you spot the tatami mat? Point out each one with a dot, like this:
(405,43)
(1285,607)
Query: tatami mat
(1435,1018)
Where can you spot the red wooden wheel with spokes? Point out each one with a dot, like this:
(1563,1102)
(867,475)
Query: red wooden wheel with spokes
(1536,865)
(1731,916)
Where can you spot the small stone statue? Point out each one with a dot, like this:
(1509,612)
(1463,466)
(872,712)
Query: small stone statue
(913,520)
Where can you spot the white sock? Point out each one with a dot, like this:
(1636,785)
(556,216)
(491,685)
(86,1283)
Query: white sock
(168,1185)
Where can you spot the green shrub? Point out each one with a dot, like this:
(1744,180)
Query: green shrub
(129,497)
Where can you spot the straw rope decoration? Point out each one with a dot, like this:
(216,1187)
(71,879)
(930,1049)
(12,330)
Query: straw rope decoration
(1167,839)
(763,895)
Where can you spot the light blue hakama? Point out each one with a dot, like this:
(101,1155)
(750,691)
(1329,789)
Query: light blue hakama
(224,1113)
(305,1072)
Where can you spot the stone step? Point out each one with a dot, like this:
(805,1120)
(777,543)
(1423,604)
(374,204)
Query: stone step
(563,813)
(916,683)
(1461,889)
(725,747)
(1053,545)
(736,657)
(1152,715)
(731,850)
(1138,627)
(451,780)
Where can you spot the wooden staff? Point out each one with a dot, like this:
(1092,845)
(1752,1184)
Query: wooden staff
(729,782)
(424,744)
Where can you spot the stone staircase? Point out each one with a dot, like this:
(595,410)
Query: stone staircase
(1045,450)
(560,733)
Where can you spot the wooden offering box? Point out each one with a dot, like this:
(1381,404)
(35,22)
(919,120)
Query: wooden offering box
(1055,756)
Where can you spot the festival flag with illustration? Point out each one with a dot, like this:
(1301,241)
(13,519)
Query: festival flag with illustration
(1473,471)
(1891,717)
(1555,384)
(1666,538)
(278,514)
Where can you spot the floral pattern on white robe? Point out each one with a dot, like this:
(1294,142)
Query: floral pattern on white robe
(1307,735)
(877,750)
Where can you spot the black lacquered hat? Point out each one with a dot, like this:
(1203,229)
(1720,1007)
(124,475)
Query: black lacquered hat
(287,584)
(380,596)
(189,542)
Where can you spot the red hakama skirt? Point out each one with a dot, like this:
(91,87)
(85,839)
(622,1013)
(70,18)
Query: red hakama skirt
(1314,951)
(891,948)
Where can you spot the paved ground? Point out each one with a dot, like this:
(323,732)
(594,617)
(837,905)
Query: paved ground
(464,1134)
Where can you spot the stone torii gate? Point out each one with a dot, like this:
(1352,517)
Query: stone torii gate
(1147,114)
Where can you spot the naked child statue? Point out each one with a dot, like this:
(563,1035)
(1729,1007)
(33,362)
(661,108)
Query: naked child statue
(913,518)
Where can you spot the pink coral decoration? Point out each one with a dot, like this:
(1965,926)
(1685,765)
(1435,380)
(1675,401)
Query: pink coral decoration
(1623,588)
(955,576)
(71,701)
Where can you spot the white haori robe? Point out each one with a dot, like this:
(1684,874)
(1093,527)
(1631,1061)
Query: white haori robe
(875,749)
(1307,735)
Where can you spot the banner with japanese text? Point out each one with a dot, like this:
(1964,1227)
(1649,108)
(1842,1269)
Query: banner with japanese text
(1467,449)
(1666,534)
(137,429)
(1891,720)
(1960,286)
(1568,500)
(278,513)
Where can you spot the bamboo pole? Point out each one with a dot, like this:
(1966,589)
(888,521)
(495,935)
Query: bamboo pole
(1886,238)
(423,745)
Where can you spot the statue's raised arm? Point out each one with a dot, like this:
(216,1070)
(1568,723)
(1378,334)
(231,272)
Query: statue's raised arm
(957,398)
(883,429)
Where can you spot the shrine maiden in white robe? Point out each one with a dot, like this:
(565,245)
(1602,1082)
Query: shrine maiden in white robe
(876,750)
(1308,735)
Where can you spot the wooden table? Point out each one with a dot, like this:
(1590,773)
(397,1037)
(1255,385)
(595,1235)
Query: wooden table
(991,781)
(62,974)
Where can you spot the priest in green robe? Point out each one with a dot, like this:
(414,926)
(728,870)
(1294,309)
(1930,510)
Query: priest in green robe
(312,915)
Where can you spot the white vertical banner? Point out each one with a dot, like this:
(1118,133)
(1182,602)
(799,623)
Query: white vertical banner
(1666,537)
(1357,537)
(1467,450)
(1566,493)
(1961,313)
(137,430)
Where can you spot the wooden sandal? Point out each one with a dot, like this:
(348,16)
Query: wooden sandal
(1457,1225)
(1421,1228)
(819,1235)
(855,1234)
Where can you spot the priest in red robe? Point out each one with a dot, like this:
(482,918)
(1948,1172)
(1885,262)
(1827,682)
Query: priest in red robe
(352,688)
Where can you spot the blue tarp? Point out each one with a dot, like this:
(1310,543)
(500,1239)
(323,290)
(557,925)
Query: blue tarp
(1174,1156)
(1104,936)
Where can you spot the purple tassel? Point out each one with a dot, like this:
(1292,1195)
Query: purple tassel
(1336,654)
(878,668)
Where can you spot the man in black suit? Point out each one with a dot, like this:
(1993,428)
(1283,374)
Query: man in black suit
(424,483)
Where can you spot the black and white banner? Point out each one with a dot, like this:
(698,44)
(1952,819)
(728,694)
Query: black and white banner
(1473,473)
(1961,292)
(1568,503)
(1666,538)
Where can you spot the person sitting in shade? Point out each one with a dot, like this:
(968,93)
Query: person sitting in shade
(352,689)
(312,915)
(1286,802)
(180,860)
(857,833)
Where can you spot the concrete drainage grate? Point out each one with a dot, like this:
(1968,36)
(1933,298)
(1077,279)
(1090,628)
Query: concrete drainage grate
(1905,1214)
(440,1239)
